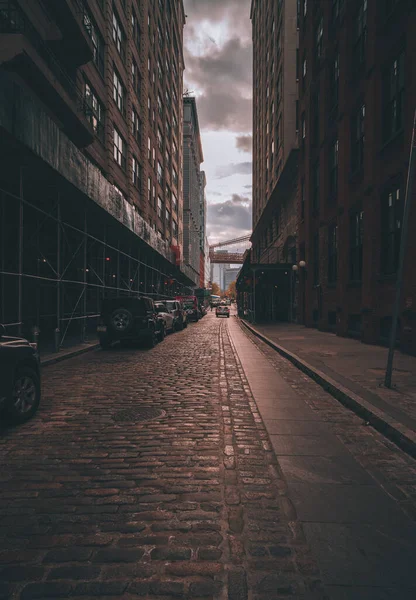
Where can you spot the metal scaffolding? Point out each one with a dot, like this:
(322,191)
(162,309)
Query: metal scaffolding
(60,255)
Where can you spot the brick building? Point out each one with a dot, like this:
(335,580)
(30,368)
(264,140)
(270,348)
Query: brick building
(271,293)
(193,189)
(356,102)
(91,195)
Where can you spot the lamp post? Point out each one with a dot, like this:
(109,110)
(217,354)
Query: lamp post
(403,239)
(301,268)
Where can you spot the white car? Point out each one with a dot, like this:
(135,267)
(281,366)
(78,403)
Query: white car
(168,317)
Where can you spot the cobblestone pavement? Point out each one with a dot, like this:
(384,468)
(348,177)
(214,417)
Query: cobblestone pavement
(392,468)
(192,504)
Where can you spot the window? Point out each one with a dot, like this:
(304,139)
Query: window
(136,30)
(333,175)
(337,6)
(303,128)
(159,173)
(159,70)
(332,253)
(149,149)
(175,150)
(135,77)
(119,149)
(305,8)
(94,110)
(154,195)
(360,35)
(159,139)
(174,228)
(168,162)
(168,129)
(119,93)
(334,81)
(358,139)
(315,135)
(168,99)
(393,97)
(356,246)
(391,229)
(149,107)
(302,199)
(159,105)
(154,157)
(316,259)
(136,172)
(319,36)
(174,123)
(118,36)
(304,69)
(96,38)
(149,190)
(315,187)
(159,207)
(175,177)
(167,218)
(174,203)
(136,125)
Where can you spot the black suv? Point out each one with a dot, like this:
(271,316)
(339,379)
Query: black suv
(129,319)
(19,377)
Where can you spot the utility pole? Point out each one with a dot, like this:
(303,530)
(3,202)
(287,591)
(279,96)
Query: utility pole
(403,239)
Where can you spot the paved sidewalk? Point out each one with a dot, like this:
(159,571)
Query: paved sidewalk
(354,367)
(50,358)
(352,490)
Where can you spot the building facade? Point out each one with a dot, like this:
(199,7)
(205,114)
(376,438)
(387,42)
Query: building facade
(91,193)
(203,229)
(193,188)
(275,157)
(357,91)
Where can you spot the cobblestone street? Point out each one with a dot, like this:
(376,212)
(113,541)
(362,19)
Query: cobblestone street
(190,503)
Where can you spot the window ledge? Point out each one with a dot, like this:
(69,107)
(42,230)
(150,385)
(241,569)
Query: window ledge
(388,278)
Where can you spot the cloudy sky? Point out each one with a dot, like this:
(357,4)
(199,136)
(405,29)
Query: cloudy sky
(218,61)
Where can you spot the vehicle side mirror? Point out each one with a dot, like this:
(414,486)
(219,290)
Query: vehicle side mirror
(2,330)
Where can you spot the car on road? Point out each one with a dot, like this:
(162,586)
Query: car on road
(179,315)
(129,319)
(222,311)
(20,389)
(190,304)
(168,318)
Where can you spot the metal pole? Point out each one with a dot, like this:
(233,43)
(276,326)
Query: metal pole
(84,300)
(20,281)
(3,277)
(403,239)
(58,280)
(254,295)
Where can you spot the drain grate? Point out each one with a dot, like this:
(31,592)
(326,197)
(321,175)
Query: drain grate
(141,413)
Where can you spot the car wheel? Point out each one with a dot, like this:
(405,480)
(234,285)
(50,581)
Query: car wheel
(25,396)
(105,343)
(121,320)
(185,325)
(162,334)
(152,339)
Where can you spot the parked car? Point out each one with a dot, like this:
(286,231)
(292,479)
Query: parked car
(162,311)
(179,315)
(20,389)
(129,319)
(190,304)
(222,311)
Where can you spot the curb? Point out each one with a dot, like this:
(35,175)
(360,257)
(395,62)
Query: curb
(70,354)
(398,433)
